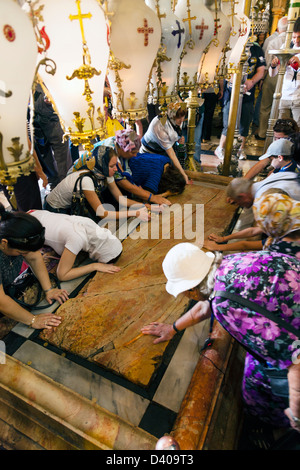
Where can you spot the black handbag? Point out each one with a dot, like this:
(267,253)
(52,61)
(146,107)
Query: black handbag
(27,291)
(278,378)
(79,203)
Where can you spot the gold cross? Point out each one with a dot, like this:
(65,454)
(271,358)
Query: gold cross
(107,13)
(189,18)
(158,11)
(80,17)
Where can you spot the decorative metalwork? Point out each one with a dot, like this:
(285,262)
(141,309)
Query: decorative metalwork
(5,94)
(146,30)
(85,72)
(36,17)
(9,173)
(190,43)
(161,57)
(159,14)
(16,150)
(108,14)
(9,33)
(116,65)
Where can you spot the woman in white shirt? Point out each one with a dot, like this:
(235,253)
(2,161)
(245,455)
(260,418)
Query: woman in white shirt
(105,165)
(67,235)
(161,136)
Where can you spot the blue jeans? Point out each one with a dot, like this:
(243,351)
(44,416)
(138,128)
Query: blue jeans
(245,119)
(197,137)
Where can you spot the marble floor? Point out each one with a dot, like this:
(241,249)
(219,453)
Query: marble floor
(153,410)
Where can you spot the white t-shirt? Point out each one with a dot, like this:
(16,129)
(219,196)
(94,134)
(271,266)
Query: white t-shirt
(291,88)
(61,196)
(163,135)
(78,234)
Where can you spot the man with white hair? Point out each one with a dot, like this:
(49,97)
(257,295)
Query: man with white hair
(242,191)
(269,84)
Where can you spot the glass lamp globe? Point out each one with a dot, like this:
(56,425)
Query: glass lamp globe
(134,42)
(18,56)
(77,33)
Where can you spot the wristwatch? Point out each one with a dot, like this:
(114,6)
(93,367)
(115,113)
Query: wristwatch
(296,420)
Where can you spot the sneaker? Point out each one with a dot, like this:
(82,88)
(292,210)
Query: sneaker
(259,138)
(219,152)
(242,155)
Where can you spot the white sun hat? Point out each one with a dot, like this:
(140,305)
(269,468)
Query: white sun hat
(185,266)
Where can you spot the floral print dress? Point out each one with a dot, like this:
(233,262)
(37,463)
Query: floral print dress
(272,280)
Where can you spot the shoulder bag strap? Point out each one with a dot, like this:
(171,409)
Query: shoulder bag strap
(257,308)
(80,178)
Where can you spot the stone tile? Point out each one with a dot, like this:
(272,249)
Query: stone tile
(111,396)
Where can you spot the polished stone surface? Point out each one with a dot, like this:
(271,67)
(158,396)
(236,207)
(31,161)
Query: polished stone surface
(136,380)
(102,324)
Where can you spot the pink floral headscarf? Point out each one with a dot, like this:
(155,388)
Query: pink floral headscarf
(128,140)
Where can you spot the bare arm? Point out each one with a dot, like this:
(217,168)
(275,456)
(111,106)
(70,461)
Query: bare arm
(259,75)
(294,395)
(257,168)
(170,152)
(96,204)
(246,233)
(36,262)
(12,309)
(274,67)
(66,271)
(201,311)
(142,193)
(235,246)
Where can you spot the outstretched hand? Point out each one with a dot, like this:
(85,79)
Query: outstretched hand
(164,331)
(46,321)
(61,295)
(107,268)
(210,245)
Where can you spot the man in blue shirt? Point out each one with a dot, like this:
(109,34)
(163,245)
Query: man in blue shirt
(280,156)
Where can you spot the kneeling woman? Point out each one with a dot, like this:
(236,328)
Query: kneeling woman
(267,326)
(156,174)
(67,235)
(161,137)
(105,165)
(21,237)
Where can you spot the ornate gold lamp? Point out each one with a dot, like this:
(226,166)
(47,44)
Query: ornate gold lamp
(243,29)
(164,77)
(18,55)
(210,61)
(134,42)
(78,35)
(229,9)
(199,24)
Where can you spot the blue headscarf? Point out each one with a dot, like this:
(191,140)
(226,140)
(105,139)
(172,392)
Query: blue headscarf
(98,163)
